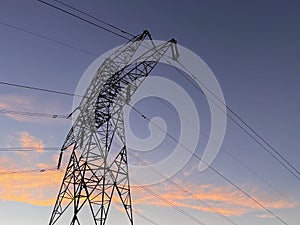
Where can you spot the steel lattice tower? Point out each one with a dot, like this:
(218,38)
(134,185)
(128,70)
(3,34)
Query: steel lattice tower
(90,180)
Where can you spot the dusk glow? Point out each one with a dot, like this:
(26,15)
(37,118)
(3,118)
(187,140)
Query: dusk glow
(212,137)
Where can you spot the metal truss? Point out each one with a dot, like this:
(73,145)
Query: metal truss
(90,178)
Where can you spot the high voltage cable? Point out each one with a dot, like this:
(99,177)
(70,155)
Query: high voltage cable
(47,38)
(263,179)
(28,149)
(254,135)
(233,157)
(264,141)
(95,18)
(34,114)
(146,218)
(26,171)
(210,166)
(83,19)
(38,89)
(294,173)
(166,201)
(170,181)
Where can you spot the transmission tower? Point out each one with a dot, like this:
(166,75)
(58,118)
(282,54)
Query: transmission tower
(90,179)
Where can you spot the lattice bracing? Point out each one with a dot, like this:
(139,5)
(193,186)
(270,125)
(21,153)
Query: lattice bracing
(90,178)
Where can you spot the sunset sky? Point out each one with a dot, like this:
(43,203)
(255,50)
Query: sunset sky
(253,49)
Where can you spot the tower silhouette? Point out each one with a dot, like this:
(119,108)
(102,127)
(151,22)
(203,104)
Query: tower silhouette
(90,178)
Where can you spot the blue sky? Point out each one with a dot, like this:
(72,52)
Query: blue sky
(252,49)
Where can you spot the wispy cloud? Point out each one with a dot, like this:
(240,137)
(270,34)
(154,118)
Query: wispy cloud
(28,103)
(24,177)
(40,188)
(17,102)
(10,100)
(37,188)
(29,141)
(210,198)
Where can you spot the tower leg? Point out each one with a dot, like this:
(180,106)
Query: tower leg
(68,189)
(120,170)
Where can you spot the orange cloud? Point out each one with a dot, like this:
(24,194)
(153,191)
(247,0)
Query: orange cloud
(40,188)
(37,188)
(208,198)
(29,141)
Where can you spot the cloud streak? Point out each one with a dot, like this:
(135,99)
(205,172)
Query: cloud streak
(37,188)
(9,101)
(29,141)
(223,199)
(41,188)
(28,103)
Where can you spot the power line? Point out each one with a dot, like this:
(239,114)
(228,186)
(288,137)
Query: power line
(170,181)
(211,167)
(39,89)
(47,38)
(34,114)
(264,141)
(95,18)
(28,149)
(146,218)
(167,202)
(251,132)
(236,159)
(262,179)
(83,19)
(26,171)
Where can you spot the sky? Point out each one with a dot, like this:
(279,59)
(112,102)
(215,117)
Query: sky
(253,50)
